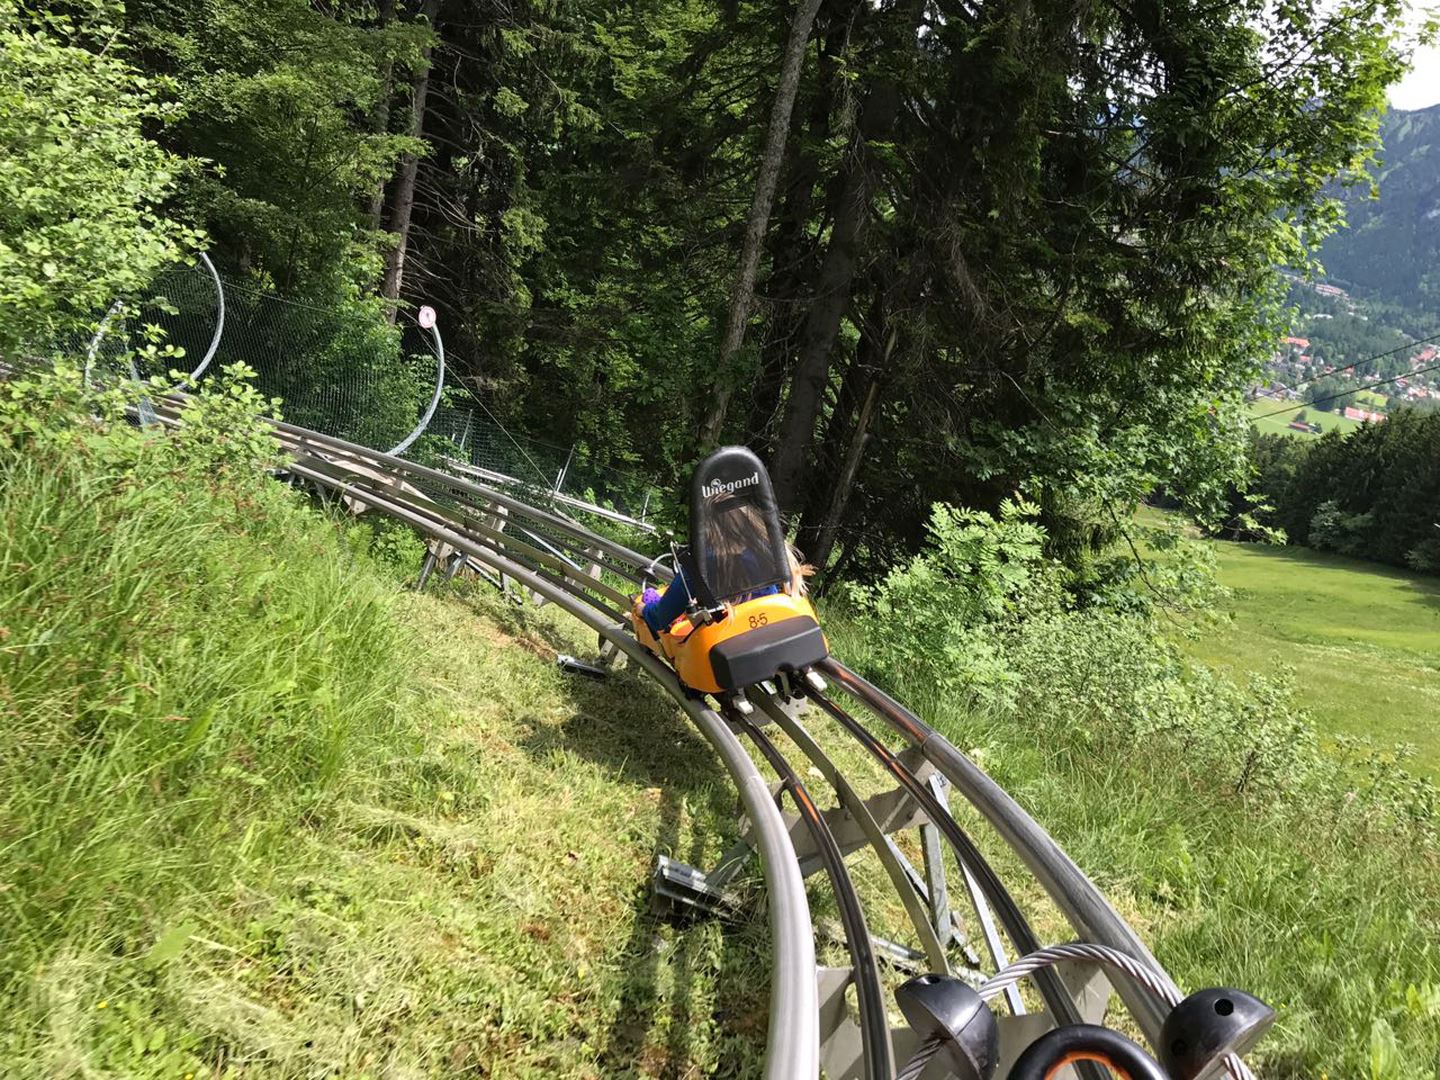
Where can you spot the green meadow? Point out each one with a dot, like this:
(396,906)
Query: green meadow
(1271,420)
(1363,640)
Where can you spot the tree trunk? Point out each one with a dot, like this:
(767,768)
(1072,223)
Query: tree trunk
(845,482)
(380,118)
(405,189)
(846,432)
(832,292)
(791,259)
(743,294)
(832,298)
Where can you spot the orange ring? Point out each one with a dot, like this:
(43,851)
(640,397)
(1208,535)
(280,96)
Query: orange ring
(1086,1055)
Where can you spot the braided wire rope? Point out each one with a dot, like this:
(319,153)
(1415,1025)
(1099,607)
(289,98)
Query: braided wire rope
(1030,963)
(916,1065)
(1079,950)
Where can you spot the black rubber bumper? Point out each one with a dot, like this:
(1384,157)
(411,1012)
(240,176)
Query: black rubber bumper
(759,654)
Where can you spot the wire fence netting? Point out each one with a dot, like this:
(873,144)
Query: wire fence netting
(343,371)
(464,431)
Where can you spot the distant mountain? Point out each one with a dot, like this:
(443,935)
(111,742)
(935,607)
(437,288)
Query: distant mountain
(1391,250)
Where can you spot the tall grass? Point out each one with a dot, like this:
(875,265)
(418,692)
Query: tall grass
(188,674)
(264,814)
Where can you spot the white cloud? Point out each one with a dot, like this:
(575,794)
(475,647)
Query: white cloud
(1422,86)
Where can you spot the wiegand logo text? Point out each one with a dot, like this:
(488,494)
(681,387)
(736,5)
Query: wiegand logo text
(729,487)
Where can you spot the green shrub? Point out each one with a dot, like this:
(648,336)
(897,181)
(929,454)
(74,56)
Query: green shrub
(941,615)
(80,183)
(1248,852)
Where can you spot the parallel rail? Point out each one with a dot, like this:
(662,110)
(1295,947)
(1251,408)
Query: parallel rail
(563,562)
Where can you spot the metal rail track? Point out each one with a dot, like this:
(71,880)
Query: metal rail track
(466,515)
(1016,925)
(879,1054)
(1077,897)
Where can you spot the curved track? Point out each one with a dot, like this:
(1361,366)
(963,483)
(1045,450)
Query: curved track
(555,559)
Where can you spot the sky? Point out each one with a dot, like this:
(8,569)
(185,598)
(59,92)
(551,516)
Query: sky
(1421,87)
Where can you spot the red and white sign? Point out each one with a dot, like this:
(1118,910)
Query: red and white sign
(426,317)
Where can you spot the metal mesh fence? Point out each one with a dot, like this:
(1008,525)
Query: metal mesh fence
(172,327)
(341,371)
(465,431)
(345,372)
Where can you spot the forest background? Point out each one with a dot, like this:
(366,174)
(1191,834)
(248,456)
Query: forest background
(911,251)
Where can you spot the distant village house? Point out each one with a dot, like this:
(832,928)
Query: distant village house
(1363,415)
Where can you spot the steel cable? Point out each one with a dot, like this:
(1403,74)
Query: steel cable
(1144,974)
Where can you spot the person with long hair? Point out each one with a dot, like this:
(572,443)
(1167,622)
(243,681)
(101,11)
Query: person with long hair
(735,532)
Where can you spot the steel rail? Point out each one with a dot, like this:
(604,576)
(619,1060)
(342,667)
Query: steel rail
(577,585)
(1052,989)
(851,800)
(506,540)
(875,1044)
(578,550)
(494,476)
(567,541)
(449,482)
(1077,897)
(793,1035)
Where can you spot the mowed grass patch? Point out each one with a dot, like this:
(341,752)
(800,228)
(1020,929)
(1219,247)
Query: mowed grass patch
(1362,639)
(1273,418)
(264,815)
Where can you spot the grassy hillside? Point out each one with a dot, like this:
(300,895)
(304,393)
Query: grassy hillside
(1298,883)
(264,814)
(1242,845)
(1362,639)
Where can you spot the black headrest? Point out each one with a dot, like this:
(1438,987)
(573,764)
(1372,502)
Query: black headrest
(730,498)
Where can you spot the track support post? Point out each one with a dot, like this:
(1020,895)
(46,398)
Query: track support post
(934,851)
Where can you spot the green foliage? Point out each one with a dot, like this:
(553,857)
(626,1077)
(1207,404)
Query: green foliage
(81,184)
(954,611)
(1361,639)
(1331,529)
(942,610)
(278,99)
(583,170)
(392,548)
(1247,848)
(338,369)
(1160,564)
(1373,493)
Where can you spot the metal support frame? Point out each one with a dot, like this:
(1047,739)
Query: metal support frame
(892,811)
(1074,894)
(916,881)
(884,848)
(427,567)
(934,852)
